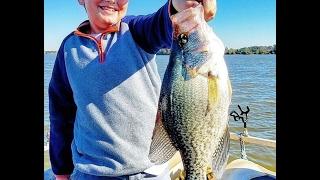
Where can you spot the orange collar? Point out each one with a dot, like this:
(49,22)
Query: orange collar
(84,28)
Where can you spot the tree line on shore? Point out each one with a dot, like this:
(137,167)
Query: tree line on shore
(244,50)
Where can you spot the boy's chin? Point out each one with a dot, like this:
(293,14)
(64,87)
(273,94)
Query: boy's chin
(109,24)
(110,21)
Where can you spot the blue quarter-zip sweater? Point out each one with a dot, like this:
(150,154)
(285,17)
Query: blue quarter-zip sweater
(103,111)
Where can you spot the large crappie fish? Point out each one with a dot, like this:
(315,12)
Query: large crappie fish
(194,103)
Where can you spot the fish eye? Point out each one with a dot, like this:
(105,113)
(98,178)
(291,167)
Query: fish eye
(182,39)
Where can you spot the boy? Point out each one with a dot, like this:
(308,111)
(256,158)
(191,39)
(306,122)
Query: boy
(104,90)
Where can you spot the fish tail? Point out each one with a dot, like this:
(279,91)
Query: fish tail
(210,174)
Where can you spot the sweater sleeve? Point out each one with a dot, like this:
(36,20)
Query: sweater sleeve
(154,31)
(62,111)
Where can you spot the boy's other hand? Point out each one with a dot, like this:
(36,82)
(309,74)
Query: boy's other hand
(188,20)
(208,5)
(62,177)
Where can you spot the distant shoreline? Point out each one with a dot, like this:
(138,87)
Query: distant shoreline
(47,52)
(53,52)
(257,50)
(243,51)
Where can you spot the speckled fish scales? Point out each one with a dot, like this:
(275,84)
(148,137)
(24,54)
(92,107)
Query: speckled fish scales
(193,106)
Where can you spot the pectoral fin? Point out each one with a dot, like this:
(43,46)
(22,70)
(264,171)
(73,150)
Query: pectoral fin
(189,73)
(212,91)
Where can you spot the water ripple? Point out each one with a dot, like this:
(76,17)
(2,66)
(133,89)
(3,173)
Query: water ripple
(253,81)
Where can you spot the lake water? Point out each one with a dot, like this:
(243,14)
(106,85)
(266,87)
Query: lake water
(253,79)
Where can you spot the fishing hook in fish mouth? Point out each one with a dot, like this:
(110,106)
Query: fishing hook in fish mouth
(182,39)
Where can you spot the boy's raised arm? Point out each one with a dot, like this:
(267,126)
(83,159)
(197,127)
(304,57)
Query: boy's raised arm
(152,32)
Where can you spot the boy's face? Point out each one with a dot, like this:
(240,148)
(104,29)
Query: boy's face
(104,13)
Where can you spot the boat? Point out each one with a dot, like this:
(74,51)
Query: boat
(46,147)
(238,169)
(46,141)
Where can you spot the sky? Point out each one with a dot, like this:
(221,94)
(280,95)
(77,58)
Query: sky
(238,23)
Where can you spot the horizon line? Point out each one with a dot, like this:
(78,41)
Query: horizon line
(225,47)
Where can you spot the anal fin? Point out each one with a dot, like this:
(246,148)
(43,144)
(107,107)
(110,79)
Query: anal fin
(221,155)
(162,148)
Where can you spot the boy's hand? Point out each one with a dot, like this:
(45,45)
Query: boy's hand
(188,20)
(208,5)
(62,177)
